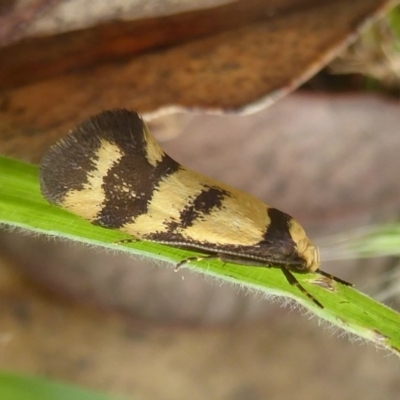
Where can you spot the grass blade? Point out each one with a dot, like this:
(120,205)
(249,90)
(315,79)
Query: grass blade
(22,205)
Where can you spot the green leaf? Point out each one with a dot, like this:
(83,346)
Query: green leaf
(21,205)
(393,20)
(23,387)
(371,241)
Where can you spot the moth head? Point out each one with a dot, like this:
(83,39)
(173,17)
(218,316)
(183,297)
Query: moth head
(305,249)
(309,254)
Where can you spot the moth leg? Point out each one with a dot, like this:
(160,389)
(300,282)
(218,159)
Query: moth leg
(294,282)
(125,241)
(195,258)
(334,278)
(288,275)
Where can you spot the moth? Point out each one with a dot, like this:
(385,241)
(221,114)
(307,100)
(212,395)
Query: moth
(110,171)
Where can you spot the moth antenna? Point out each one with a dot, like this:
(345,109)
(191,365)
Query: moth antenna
(334,278)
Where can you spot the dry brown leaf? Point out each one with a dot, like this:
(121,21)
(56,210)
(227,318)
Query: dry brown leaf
(22,19)
(238,69)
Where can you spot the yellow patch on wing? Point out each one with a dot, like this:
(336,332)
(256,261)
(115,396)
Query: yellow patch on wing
(87,202)
(241,220)
(173,194)
(154,152)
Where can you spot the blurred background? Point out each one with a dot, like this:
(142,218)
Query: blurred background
(207,75)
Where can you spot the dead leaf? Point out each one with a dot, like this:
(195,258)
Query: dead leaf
(240,69)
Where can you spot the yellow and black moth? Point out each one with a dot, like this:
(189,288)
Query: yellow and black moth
(111,171)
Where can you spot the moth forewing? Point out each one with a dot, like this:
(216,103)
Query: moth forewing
(111,171)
